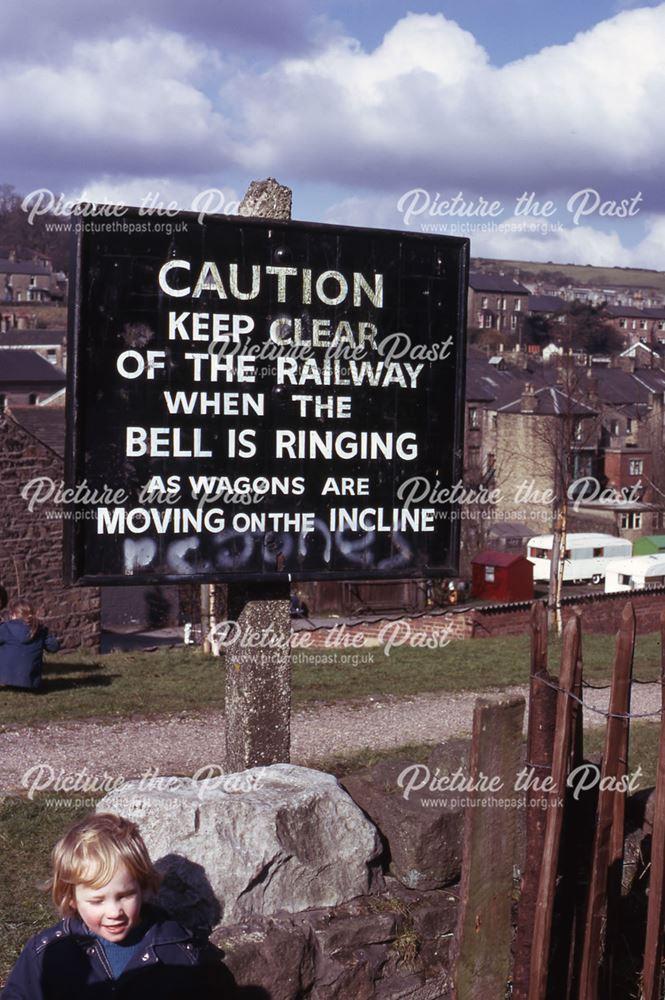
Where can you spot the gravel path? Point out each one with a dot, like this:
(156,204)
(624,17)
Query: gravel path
(183,743)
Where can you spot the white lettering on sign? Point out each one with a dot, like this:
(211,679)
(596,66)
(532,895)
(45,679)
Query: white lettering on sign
(331,287)
(273,398)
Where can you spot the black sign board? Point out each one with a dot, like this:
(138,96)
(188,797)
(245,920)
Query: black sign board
(256,400)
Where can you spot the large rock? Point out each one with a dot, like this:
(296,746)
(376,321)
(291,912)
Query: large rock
(393,945)
(268,839)
(422,827)
(273,954)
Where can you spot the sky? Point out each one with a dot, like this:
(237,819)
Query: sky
(534,128)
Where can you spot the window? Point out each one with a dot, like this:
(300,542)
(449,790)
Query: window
(473,418)
(623,324)
(52,355)
(631,520)
(3,401)
(488,321)
(661,324)
(615,428)
(32,399)
(489,574)
(598,553)
(635,467)
(484,302)
(579,430)
(624,580)
(33,281)
(643,324)
(513,322)
(539,553)
(518,305)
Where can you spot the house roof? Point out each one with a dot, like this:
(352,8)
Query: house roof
(18,367)
(546,303)
(491,558)
(23,267)
(26,338)
(46,423)
(481,282)
(552,402)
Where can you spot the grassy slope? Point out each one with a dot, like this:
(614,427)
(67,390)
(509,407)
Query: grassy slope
(579,274)
(85,685)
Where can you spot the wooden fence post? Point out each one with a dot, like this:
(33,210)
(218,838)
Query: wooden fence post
(540,740)
(563,738)
(652,975)
(608,842)
(483,938)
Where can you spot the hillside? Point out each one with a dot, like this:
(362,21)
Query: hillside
(576,274)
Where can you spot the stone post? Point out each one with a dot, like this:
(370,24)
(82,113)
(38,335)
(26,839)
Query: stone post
(258,677)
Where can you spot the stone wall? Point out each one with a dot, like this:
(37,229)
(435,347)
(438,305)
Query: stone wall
(600,613)
(31,552)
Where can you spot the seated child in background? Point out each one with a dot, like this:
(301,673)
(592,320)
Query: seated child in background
(111,942)
(22,644)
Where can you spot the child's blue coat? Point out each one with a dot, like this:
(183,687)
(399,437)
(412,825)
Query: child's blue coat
(21,656)
(67,962)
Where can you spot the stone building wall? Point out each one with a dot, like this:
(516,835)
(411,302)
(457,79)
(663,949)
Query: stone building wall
(31,553)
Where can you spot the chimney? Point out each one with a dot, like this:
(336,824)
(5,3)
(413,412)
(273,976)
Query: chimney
(528,402)
(592,387)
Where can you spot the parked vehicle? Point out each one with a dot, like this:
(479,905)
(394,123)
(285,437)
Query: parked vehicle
(586,558)
(638,573)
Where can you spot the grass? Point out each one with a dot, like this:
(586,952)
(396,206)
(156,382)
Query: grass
(643,749)
(28,831)
(166,681)
(588,273)
(87,685)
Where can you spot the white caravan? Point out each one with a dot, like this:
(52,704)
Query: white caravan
(638,573)
(587,555)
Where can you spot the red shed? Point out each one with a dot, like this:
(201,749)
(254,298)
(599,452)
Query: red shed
(501,576)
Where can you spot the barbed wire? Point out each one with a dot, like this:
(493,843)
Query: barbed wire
(606,687)
(598,711)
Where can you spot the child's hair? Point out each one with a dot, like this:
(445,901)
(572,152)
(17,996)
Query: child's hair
(24,610)
(89,854)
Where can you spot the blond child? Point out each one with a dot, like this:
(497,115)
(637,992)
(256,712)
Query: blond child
(112,942)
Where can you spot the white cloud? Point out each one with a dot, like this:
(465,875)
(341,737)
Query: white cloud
(130,105)
(518,238)
(157,194)
(426,106)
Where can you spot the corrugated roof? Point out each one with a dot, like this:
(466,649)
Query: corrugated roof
(491,558)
